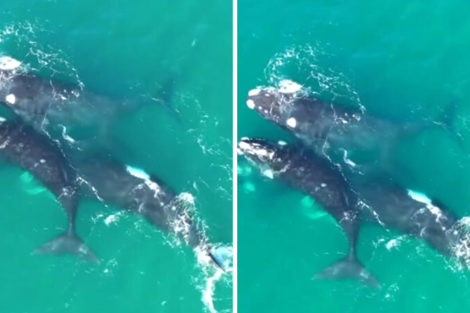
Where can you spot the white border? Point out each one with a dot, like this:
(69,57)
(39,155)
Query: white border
(234,153)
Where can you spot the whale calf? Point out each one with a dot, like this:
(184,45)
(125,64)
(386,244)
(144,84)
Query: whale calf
(23,147)
(322,125)
(324,182)
(132,189)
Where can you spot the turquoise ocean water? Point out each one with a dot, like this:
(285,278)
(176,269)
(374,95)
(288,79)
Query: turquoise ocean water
(402,60)
(123,49)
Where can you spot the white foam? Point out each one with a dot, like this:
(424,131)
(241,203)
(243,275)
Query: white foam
(137,172)
(110,219)
(292,122)
(418,196)
(254,92)
(8,64)
(11,99)
(250,104)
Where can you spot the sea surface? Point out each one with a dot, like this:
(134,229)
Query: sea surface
(401,60)
(126,49)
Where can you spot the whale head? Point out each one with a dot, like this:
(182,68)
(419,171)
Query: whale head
(268,157)
(270,104)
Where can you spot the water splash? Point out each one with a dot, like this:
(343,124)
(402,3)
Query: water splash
(212,277)
(301,64)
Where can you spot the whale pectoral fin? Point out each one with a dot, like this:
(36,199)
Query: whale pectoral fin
(349,268)
(68,243)
(221,256)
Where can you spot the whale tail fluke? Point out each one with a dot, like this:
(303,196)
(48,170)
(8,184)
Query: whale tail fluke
(349,268)
(68,243)
(166,96)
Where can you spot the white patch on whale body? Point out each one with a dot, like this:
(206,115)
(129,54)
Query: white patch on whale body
(292,122)
(137,172)
(250,103)
(418,196)
(11,99)
(281,143)
(268,173)
(254,92)
(2,119)
(421,197)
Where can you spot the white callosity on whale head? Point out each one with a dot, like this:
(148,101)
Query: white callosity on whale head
(254,92)
(8,63)
(292,122)
(288,86)
(11,99)
(250,103)
(243,145)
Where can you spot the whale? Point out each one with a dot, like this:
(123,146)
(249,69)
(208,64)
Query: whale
(54,106)
(106,179)
(302,170)
(334,131)
(411,212)
(389,204)
(23,147)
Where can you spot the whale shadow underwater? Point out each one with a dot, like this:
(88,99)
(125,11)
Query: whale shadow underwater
(385,202)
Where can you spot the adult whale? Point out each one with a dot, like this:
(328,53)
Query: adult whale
(108,180)
(325,183)
(42,102)
(23,147)
(391,205)
(322,125)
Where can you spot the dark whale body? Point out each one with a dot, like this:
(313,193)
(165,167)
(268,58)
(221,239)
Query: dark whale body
(413,213)
(56,106)
(125,187)
(386,202)
(23,147)
(335,130)
(325,183)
